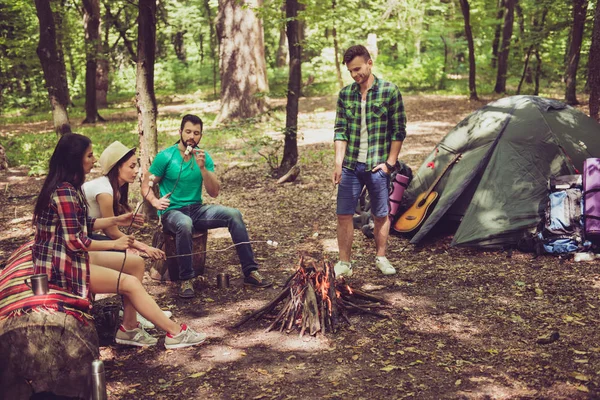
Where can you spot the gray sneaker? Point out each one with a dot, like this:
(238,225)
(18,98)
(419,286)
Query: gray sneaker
(135,337)
(186,290)
(187,337)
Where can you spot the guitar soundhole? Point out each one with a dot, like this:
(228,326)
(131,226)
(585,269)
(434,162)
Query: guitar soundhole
(411,217)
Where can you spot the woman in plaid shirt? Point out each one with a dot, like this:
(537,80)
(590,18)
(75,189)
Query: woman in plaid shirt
(77,264)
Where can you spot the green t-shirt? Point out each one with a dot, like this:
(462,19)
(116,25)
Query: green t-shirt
(183,179)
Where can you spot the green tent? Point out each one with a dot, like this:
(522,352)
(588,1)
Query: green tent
(498,188)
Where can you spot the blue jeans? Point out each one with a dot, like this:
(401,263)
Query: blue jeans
(183,220)
(377,183)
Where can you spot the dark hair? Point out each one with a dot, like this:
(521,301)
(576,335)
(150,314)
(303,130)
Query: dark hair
(194,119)
(356,51)
(66,165)
(120,193)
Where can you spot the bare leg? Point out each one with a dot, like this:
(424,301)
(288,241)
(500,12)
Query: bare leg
(345,235)
(104,280)
(134,265)
(381,232)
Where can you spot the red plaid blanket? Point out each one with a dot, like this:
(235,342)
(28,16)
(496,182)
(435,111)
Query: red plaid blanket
(17,298)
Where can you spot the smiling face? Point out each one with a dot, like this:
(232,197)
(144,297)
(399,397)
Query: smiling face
(88,160)
(190,134)
(360,69)
(128,170)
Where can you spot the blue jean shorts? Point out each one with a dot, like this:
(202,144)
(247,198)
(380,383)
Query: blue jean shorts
(351,185)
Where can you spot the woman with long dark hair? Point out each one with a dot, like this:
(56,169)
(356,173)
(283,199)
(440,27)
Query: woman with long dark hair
(77,264)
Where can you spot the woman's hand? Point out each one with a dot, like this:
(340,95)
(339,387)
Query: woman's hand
(139,220)
(154,253)
(123,243)
(124,219)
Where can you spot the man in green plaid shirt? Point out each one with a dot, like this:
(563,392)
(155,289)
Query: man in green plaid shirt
(370,126)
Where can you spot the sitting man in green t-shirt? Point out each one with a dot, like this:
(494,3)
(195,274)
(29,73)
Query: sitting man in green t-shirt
(182,169)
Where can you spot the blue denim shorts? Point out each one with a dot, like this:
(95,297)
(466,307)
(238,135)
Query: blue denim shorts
(377,183)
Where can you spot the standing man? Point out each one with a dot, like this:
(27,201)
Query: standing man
(370,125)
(182,170)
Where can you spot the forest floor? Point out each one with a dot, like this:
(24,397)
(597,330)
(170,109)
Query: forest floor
(464,323)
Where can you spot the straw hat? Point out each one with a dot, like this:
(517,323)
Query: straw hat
(112,154)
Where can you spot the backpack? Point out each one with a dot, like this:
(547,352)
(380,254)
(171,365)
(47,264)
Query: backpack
(561,228)
(399,179)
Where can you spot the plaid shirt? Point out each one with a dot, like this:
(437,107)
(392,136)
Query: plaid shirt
(386,121)
(61,241)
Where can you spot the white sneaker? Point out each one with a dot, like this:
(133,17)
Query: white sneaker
(144,322)
(384,266)
(343,268)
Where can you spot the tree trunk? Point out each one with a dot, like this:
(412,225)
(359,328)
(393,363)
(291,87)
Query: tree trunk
(579,14)
(179,45)
(538,73)
(93,46)
(55,73)
(102,71)
(536,37)
(144,83)
(213,44)
(336,50)
(282,50)
(3,160)
(243,68)
(497,33)
(464,6)
(103,66)
(290,148)
(442,82)
(504,50)
(594,67)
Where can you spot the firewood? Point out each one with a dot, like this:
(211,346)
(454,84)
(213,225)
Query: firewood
(316,302)
(282,295)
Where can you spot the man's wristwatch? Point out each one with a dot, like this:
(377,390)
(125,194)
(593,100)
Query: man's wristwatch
(389,167)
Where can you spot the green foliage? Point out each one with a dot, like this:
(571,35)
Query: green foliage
(421,45)
(255,141)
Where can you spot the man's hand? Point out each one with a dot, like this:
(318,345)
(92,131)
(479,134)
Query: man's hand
(200,158)
(162,203)
(382,167)
(337,175)
(123,243)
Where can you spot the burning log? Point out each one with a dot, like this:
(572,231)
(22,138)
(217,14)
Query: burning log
(314,301)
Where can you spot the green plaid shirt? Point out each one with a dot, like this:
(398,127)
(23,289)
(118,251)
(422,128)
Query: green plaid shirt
(386,121)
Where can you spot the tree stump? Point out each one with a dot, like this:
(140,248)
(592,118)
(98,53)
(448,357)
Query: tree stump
(46,352)
(169,269)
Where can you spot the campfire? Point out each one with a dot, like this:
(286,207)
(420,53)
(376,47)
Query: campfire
(313,301)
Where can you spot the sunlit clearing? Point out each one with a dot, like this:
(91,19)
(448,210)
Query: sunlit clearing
(330,245)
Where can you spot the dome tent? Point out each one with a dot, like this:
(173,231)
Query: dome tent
(498,188)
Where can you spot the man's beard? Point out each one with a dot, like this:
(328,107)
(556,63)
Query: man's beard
(190,142)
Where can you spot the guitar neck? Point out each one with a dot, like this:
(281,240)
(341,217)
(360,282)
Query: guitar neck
(437,180)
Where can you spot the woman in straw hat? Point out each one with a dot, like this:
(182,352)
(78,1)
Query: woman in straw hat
(77,264)
(108,194)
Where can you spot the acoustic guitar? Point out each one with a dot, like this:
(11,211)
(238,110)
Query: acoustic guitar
(415,215)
